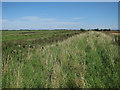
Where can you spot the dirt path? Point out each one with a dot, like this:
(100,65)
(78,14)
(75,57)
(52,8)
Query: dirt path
(115,33)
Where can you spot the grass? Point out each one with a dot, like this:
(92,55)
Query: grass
(0,60)
(86,60)
(33,34)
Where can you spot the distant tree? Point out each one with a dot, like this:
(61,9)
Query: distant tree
(109,29)
(89,29)
(82,29)
(96,29)
(105,29)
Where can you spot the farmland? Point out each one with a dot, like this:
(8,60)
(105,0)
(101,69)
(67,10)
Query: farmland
(60,59)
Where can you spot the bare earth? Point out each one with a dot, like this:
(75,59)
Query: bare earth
(115,33)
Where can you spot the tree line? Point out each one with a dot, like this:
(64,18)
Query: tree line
(95,29)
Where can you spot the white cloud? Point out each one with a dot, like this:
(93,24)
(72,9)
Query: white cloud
(3,20)
(36,18)
(34,22)
(77,18)
(30,18)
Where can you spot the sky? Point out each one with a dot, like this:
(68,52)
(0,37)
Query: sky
(59,15)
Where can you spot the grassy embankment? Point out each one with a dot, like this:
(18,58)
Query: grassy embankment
(90,59)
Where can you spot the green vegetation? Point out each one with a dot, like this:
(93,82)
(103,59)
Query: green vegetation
(82,29)
(34,34)
(117,39)
(45,59)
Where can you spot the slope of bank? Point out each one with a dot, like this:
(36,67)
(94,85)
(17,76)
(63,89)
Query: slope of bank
(88,60)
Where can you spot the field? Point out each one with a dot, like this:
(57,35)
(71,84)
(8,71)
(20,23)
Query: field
(60,59)
(116,35)
(114,32)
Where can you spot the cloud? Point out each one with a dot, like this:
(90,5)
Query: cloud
(77,18)
(30,18)
(35,22)
(3,20)
(36,18)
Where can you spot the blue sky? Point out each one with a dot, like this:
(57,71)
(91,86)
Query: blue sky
(55,15)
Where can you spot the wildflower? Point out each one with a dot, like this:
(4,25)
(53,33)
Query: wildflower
(13,51)
(18,45)
(20,50)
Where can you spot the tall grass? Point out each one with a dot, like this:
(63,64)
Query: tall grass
(88,60)
(0,59)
